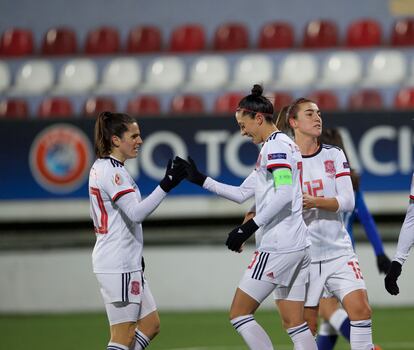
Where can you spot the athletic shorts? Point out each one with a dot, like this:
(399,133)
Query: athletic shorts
(286,275)
(127,296)
(334,277)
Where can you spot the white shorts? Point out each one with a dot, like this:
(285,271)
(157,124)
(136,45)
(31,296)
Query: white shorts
(335,277)
(286,275)
(127,296)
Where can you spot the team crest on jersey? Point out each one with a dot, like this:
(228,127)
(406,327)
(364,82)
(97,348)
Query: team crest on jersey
(330,167)
(118,179)
(60,158)
(135,288)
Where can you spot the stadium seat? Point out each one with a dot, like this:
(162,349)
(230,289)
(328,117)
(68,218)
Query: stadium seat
(320,34)
(144,105)
(341,69)
(297,70)
(188,38)
(228,103)
(281,99)
(60,41)
(77,76)
(276,35)
(403,32)
(4,76)
(187,104)
(404,99)
(34,77)
(230,37)
(367,99)
(14,108)
(250,69)
(55,107)
(121,75)
(16,42)
(102,41)
(164,74)
(97,104)
(385,68)
(208,73)
(326,100)
(364,33)
(143,39)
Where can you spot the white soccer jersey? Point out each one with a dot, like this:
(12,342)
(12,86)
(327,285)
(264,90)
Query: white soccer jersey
(321,173)
(286,232)
(119,241)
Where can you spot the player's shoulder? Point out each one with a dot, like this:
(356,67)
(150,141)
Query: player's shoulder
(331,149)
(108,165)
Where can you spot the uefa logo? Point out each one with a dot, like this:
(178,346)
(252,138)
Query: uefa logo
(60,157)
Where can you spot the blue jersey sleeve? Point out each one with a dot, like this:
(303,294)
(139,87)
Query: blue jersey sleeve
(367,221)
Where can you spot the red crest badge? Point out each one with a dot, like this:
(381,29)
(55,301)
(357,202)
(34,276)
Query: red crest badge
(135,288)
(330,167)
(118,179)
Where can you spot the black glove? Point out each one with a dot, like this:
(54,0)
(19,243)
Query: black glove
(383,263)
(240,234)
(391,278)
(193,174)
(173,176)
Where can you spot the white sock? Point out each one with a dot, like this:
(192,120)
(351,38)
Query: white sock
(252,333)
(361,335)
(302,337)
(338,318)
(116,346)
(326,329)
(141,340)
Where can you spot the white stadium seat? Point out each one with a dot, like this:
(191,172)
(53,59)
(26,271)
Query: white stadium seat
(34,77)
(121,75)
(341,69)
(298,70)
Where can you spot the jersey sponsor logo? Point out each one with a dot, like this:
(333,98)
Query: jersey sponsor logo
(330,167)
(346,165)
(118,179)
(60,157)
(272,156)
(135,288)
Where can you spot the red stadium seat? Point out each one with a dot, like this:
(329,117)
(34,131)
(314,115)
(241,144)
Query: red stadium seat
(230,37)
(14,108)
(276,35)
(403,32)
(320,34)
(144,105)
(281,99)
(188,38)
(102,40)
(60,41)
(55,107)
(404,99)
(326,100)
(228,103)
(187,104)
(16,42)
(95,105)
(367,99)
(364,33)
(143,39)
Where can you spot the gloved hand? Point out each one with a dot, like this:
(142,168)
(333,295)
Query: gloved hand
(383,263)
(173,176)
(391,278)
(240,234)
(193,174)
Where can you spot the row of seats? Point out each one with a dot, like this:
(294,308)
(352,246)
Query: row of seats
(192,38)
(194,104)
(210,73)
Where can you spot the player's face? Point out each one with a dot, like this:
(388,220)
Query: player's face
(308,121)
(130,142)
(249,127)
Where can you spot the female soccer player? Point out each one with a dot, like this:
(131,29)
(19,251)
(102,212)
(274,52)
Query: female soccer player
(281,262)
(117,212)
(328,192)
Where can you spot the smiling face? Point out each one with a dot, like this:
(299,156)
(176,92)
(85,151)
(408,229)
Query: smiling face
(249,126)
(127,146)
(308,121)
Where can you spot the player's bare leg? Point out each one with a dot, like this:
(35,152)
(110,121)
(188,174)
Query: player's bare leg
(146,330)
(123,334)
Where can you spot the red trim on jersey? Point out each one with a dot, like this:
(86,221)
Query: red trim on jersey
(120,194)
(411,197)
(272,166)
(343,174)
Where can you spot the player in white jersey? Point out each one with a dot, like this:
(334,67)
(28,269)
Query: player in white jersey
(405,242)
(281,262)
(328,192)
(117,211)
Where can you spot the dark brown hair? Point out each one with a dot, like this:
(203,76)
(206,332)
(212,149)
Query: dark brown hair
(257,103)
(108,124)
